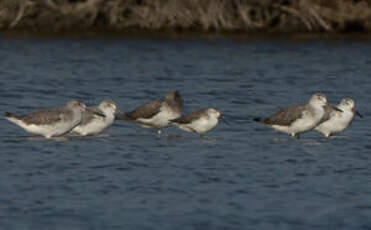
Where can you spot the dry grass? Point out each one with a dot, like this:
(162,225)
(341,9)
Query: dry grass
(195,15)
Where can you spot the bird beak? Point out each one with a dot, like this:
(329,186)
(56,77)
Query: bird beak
(360,115)
(117,113)
(117,116)
(224,120)
(335,108)
(120,116)
(98,112)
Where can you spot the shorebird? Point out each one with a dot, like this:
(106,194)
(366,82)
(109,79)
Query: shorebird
(298,119)
(50,122)
(338,121)
(200,121)
(157,113)
(92,123)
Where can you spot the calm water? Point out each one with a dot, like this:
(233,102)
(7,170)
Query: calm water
(240,176)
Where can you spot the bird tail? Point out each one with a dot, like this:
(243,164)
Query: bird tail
(12,117)
(9,115)
(258,119)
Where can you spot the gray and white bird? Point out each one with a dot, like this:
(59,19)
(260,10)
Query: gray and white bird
(298,119)
(92,123)
(200,121)
(336,121)
(50,122)
(157,113)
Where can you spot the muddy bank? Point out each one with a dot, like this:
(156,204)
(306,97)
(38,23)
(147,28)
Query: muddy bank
(205,16)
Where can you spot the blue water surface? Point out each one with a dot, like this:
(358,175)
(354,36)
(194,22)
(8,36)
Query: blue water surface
(239,176)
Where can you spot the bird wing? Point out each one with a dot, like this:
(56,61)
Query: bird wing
(285,116)
(147,110)
(328,113)
(90,114)
(46,116)
(189,117)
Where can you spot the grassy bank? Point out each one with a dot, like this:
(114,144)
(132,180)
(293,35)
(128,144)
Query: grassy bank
(316,16)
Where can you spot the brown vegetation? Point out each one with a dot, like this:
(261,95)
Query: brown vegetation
(187,15)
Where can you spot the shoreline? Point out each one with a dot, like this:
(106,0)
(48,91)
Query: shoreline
(181,18)
(182,35)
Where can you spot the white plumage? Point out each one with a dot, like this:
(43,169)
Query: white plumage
(50,122)
(338,121)
(92,123)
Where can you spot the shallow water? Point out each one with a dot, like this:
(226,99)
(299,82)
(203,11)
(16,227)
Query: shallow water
(240,176)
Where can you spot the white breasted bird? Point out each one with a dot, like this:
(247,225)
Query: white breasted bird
(51,122)
(92,123)
(338,121)
(157,113)
(298,119)
(200,121)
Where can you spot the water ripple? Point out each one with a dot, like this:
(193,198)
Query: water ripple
(237,175)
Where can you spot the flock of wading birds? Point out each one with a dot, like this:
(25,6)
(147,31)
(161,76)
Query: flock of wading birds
(76,119)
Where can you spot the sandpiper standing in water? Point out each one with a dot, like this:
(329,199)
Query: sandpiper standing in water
(338,121)
(298,119)
(157,113)
(92,123)
(51,122)
(200,121)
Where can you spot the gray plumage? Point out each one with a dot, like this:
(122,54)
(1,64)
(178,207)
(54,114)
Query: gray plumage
(200,121)
(297,119)
(48,116)
(328,111)
(146,110)
(96,119)
(50,122)
(45,116)
(191,117)
(157,113)
(150,109)
(285,116)
(90,114)
(337,121)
